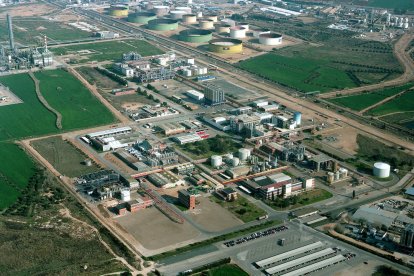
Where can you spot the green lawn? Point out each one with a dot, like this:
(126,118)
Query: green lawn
(401,103)
(79,108)
(208,147)
(241,208)
(32,30)
(300,200)
(109,50)
(303,74)
(362,101)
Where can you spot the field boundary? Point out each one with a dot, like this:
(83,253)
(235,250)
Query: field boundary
(44,102)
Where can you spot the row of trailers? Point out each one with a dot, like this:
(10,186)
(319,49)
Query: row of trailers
(301,261)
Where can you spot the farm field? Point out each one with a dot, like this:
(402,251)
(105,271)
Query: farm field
(31,118)
(108,50)
(394,4)
(31,30)
(96,78)
(305,75)
(79,108)
(362,101)
(63,156)
(15,170)
(405,119)
(403,103)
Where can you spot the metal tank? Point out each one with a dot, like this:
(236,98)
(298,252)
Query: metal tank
(216,161)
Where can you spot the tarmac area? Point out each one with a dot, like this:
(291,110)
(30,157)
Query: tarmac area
(154,230)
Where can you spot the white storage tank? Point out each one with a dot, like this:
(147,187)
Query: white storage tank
(186,9)
(237,32)
(343,172)
(244,25)
(199,14)
(177,14)
(244,154)
(270,39)
(222,28)
(160,10)
(258,32)
(216,161)
(125,195)
(229,156)
(381,170)
(206,24)
(235,162)
(189,19)
(211,17)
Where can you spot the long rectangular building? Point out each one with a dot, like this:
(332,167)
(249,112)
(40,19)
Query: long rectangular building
(110,132)
(289,254)
(316,266)
(300,261)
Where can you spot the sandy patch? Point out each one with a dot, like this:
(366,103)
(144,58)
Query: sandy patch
(27,10)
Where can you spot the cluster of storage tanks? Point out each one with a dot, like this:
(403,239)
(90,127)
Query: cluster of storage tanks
(340,174)
(243,155)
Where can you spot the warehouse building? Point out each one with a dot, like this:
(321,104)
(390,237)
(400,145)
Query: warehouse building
(193,94)
(187,138)
(220,122)
(187,199)
(172,128)
(228,194)
(165,180)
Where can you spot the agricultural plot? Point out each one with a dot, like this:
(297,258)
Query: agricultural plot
(96,78)
(362,101)
(108,50)
(394,4)
(63,156)
(306,75)
(405,119)
(31,30)
(403,103)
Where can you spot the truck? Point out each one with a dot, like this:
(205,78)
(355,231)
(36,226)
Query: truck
(263,217)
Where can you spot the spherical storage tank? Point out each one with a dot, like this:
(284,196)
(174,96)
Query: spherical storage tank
(141,17)
(226,46)
(237,32)
(258,32)
(119,10)
(381,170)
(160,10)
(206,24)
(177,14)
(189,18)
(163,24)
(216,161)
(222,28)
(195,36)
(244,154)
(270,39)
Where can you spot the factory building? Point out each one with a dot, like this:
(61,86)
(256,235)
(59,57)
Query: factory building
(184,168)
(100,185)
(245,123)
(219,122)
(322,161)
(214,95)
(172,128)
(227,194)
(165,180)
(187,199)
(193,94)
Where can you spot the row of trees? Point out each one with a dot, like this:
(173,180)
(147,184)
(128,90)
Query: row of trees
(112,76)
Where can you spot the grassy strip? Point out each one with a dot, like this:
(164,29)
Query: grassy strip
(300,200)
(213,240)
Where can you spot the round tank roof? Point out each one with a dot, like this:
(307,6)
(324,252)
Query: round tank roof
(271,35)
(382,165)
(226,42)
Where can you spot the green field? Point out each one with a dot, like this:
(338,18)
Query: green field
(405,119)
(305,75)
(108,50)
(96,78)
(241,208)
(63,92)
(303,199)
(362,101)
(32,30)
(391,4)
(403,103)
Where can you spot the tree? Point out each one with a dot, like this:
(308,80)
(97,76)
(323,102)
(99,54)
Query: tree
(353,194)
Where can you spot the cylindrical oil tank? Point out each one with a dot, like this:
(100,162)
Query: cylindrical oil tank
(189,18)
(160,10)
(330,177)
(176,14)
(297,117)
(119,10)
(229,156)
(148,6)
(213,17)
(199,14)
(141,17)
(226,46)
(343,172)
(163,24)
(229,22)
(381,170)
(206,24)
(270,39)
(195,36)
(216,161)
(125,195)
(186,9)
(237,32)
(235,162)
(258,32)
(244,154)
(337,175)
(244,25)
(222,28)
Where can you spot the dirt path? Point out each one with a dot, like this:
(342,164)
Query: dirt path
(94,90)
(402,56)
(393,113)
(382,102)
(44,102)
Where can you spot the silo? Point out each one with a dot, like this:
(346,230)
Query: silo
(206,24)
(237,32)
(125,195)
(270,39)
(381,170)
(297,117)
(216,161)
(330,177)
(343,172)
(244,154)
(222,28)
(337,175)
(235,162)
(189,19)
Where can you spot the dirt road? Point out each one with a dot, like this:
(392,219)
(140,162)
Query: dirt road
(402,56)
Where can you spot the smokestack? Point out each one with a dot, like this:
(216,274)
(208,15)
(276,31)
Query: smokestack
(10,28)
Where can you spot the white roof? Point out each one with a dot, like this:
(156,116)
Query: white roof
(316,266)
(302,260)
(381,165)
(280,177)
(109,132)
(289,254)
(195,93)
